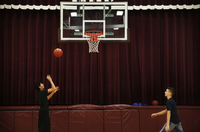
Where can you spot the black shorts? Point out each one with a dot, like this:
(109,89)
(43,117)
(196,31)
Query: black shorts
(44,122)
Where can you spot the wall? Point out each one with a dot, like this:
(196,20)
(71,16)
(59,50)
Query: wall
(98,118)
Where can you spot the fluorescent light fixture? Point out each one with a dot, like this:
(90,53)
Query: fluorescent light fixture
(119,13)
(98,0)
(77,30)
(73,14)
(108,0)
(115,28)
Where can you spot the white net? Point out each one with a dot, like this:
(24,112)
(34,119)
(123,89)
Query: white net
(93,45)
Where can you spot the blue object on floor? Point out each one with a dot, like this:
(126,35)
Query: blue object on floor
(135,103)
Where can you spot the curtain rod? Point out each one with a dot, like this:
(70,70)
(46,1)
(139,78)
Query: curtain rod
(134,7)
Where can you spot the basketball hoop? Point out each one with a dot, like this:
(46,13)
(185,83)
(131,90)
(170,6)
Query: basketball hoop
(93,40)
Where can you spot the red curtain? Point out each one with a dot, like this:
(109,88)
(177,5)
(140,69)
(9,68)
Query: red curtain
(163,51)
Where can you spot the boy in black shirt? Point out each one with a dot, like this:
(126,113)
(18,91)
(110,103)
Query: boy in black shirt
(44,120)
(173,120)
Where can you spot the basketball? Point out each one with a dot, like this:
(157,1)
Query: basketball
(154,102)
(58,52)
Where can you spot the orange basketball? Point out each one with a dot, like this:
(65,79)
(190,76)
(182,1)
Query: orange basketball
(58,52)
(154,102)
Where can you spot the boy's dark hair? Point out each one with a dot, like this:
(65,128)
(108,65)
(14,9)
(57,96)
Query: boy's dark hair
(172,90)
(36,85)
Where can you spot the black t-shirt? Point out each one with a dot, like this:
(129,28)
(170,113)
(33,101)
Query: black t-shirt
(171,105)
(42,98)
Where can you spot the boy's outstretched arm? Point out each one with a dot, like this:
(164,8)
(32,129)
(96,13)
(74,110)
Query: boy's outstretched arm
(159,113)
(50,80)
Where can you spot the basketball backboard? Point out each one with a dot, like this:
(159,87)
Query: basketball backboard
(76,18)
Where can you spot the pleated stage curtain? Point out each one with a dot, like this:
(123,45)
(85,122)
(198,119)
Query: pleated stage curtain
(163,51)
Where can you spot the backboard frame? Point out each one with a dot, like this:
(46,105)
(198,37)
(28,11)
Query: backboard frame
(126,37)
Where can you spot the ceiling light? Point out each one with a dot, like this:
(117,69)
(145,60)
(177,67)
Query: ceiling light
(120,13)
(73,14)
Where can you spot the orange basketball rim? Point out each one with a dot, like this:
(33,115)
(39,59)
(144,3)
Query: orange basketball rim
(93,34)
